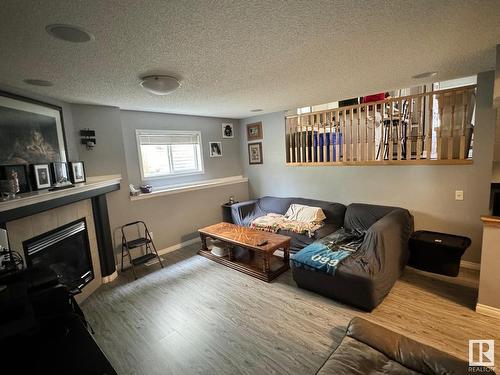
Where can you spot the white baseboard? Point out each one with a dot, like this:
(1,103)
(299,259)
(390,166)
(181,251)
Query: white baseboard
(488,310)
(166,250)
(470,265)
(110,278)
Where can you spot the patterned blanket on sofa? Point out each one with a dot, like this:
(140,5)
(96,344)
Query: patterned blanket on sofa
(275,222)
(325,254)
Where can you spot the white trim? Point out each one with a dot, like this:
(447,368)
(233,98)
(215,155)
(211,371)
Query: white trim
(488,310)
(167,250)
(199,185)
(110,278)
(470,265)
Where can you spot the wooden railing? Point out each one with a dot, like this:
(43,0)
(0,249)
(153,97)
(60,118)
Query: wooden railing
(433,127)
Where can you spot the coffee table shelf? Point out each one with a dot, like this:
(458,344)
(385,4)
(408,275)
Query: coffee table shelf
(254,260)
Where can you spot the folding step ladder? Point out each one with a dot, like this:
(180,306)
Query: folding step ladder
(146,241)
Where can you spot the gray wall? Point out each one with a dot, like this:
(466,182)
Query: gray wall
(172,218)
(427,191)
(227,165)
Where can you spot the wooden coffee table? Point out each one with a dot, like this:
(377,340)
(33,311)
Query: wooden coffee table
(257,261)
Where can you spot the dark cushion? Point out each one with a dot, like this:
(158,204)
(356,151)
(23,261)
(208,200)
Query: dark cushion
(299,241)
(353,357)
(370,348)
(361,216)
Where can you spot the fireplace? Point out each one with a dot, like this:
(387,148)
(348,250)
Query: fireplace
(65,250)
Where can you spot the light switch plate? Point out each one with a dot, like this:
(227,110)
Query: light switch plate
(459,195)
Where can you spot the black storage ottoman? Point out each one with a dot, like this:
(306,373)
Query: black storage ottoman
(437,252)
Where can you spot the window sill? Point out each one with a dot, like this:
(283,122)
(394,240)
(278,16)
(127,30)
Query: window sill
(199,185)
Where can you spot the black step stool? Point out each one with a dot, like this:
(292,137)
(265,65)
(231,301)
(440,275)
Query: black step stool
(146,241)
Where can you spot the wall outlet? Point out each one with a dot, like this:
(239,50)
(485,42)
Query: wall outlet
(459,195)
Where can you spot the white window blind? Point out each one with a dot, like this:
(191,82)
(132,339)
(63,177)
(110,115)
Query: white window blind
(165,153)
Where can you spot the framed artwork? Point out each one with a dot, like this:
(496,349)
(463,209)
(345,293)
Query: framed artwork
(41,176)
(227,130)
(20,171)
(255,153)
(254,131)
(60,172)
(77,172)
(31,132)
(215,149)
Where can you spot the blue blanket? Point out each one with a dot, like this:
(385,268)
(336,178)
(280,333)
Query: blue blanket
(325,254)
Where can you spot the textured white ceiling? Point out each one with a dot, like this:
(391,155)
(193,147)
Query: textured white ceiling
(233,56)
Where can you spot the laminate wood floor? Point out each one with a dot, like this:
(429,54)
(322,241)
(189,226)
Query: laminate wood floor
(196,316)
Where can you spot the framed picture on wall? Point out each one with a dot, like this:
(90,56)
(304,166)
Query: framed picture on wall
(41,176)
(77,172)
(31,132)
(255,153)
(215,149)
(254,131)
(227,130)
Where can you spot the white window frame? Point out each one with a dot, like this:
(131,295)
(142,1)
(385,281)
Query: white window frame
(139,132)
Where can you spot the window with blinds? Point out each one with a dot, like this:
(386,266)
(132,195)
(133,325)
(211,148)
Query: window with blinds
(166,153)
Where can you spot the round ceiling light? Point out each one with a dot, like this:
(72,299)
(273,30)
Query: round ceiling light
(69,33)
(160,85)
(38,82)
(425,75)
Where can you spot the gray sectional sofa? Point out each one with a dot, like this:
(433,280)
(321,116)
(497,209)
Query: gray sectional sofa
(362,279)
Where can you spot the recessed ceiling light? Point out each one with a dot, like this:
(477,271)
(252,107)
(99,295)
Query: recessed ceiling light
(38,82)
(256,110)
(69,33)
(425,75)
(160,85)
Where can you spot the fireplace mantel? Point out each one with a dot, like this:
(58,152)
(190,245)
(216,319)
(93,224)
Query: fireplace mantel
(42,200)
(94,189)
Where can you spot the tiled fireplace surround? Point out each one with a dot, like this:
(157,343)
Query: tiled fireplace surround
(34,225)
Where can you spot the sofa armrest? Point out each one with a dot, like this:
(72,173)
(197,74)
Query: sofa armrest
(386,244)
(244,213)
(410,353)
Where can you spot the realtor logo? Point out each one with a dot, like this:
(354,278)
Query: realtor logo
(482,353)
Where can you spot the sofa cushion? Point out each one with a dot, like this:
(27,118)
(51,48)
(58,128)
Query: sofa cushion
(368,348)
(299,241)
(410,353)
(274,204)
(360,217)
(353,357)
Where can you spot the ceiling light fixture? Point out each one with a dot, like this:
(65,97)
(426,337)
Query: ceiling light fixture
(425,75)
(38,82)
(69,33)
(160,85)
(256,110)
